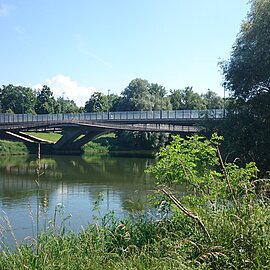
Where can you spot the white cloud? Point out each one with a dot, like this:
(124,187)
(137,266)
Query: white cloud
(63,84)
(5,9)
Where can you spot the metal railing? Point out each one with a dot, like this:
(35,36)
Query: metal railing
(6,118)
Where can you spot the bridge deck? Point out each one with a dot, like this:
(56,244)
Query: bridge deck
(180,117)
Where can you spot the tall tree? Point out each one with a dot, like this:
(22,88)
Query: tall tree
(65,106)
(136,96)
(247,73)
(45,101)
(247,77)
(212,100)
(140,95)
(186,99)
(98,102)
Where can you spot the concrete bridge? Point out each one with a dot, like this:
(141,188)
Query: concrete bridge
(79,128)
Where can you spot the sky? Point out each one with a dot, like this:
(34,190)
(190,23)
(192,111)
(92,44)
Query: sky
(78,47)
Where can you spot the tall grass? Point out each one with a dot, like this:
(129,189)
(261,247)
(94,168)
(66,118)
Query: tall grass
(141,242)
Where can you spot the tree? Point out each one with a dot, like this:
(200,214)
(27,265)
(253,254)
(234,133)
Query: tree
(186,99)
(247,77)
(137,96)
(65,106)
(17,99)
(140,95)
(113,102)
(98,102)
(247,73)
(212,100)
(45,101)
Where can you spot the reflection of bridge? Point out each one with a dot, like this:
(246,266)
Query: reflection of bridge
(80,128)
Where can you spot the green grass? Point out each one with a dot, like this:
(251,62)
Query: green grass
(240,240)
(48,136)
(12,148)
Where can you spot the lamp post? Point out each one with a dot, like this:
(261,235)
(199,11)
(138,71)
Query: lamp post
(23,96)
(224,102)
(63,103)
(108,110)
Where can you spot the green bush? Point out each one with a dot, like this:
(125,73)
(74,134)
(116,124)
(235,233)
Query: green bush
(225,217)
(12,148)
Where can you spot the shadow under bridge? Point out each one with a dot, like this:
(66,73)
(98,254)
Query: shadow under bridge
(75,135)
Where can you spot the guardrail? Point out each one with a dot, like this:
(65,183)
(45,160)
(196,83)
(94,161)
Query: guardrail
(115,116)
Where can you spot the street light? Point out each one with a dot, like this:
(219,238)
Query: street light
(224,103)
(63,108)
(108,103)
(23,96)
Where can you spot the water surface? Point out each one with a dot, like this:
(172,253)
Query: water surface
(30,192)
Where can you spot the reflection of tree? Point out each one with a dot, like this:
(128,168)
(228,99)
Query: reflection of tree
(122,178)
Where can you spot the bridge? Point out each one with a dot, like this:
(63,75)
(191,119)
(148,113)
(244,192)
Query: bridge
(79,128)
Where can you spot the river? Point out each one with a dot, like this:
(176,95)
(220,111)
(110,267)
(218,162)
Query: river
(70,186)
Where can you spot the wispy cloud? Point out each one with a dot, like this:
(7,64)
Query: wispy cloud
(5,9)
(83,48)
(64,85)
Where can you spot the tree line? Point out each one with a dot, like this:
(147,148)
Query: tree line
(139,95)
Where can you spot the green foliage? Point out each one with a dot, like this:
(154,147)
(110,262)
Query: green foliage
(94,147)
(247,72)
(225,201)
(12,148)
(212,100)
(247,77)
(191,161)
(141,140)
(45,101)
(17,99)
(65,106)
(140,95)
(98,102)
(186,99)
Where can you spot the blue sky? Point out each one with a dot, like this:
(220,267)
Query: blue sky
(82,46)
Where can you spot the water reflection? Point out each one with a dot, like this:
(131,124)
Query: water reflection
(74,182)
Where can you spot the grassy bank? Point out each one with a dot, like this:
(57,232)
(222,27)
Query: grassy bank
(237,242)
(12,148)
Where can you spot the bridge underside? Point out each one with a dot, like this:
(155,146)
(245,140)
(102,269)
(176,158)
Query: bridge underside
(71,142)
(75,135)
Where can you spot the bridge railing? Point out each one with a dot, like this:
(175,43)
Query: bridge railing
(114,116)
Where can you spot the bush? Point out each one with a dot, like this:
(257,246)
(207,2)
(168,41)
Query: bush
(225,218)
(12,148)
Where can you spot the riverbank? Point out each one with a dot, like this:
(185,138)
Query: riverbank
(239,240)
(8,148)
